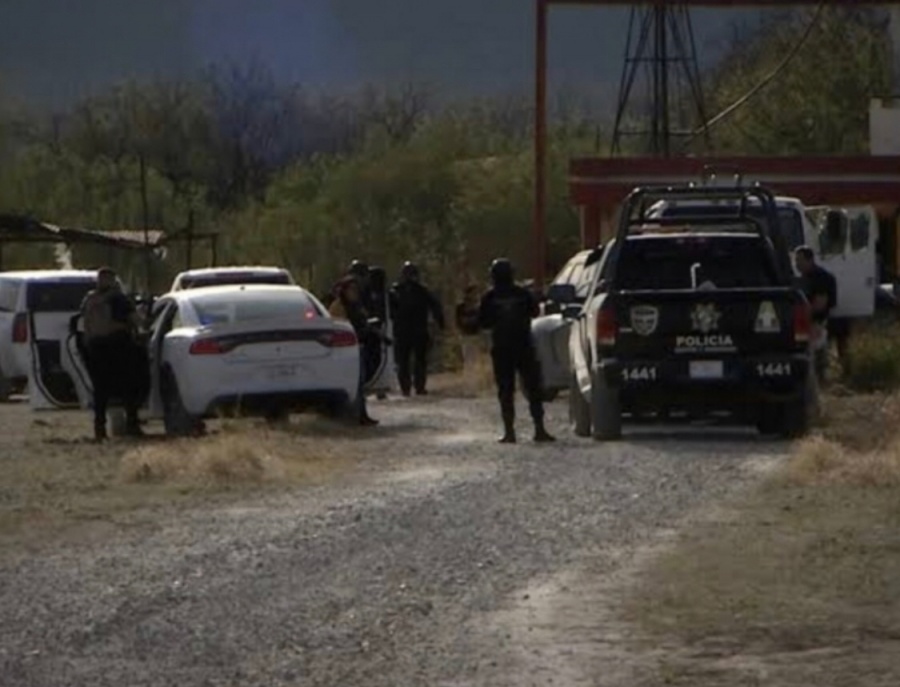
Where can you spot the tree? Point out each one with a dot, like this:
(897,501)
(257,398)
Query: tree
(818,103)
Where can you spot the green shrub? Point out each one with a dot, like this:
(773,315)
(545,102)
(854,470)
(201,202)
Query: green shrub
(874,360)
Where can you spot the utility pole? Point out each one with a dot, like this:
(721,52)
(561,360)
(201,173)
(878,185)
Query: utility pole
(145,209)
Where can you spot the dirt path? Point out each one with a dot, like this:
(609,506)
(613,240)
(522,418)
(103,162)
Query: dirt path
(446,560)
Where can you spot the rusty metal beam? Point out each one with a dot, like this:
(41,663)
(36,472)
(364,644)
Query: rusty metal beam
(723,3)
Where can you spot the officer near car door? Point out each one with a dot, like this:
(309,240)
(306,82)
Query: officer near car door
(348,306)
(110,323)
(820,288)
(411,304)
(507,310)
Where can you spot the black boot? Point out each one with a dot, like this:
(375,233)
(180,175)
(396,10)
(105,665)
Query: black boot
(132,423)
(509,429)
(541,435)
(100,432)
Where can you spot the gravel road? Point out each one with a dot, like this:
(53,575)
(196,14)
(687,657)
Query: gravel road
(399,576)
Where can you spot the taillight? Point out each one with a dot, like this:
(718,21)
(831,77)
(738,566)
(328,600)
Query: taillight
(607,328)
(339,339)
(802,322)
(20,328)
(206,347)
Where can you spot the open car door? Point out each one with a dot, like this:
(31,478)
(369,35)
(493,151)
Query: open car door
(380,373)
(162,318)
(57,378)
(845,245)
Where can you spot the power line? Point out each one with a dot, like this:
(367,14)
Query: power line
(744,99)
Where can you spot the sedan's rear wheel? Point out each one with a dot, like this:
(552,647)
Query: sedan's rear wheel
(176,418)
(606,409)
(579,410)
(6,389)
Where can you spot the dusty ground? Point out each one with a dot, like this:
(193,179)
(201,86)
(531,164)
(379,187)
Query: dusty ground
(425,555)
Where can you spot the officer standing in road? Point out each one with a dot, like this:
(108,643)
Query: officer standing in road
(507,310)
(411,303)
(820,288)
(113,360)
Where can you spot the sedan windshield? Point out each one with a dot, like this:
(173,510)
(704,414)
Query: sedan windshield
(234,308)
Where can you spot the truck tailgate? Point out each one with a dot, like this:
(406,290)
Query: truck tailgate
(746,322)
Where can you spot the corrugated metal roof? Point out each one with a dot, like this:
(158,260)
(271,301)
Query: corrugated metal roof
(25,229)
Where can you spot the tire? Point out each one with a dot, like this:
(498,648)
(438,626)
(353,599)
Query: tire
(790,419)
(6,389)
(606,410)
(278,417)
(797,415)
(343,411)
(768,419)
(118,426)
(178,422)
(579,410)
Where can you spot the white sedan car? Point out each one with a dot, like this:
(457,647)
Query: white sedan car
(250,349)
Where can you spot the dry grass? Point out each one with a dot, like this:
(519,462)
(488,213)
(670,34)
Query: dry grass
(52,483)
(476,381)
(807,562)
(874,359)
(249,458)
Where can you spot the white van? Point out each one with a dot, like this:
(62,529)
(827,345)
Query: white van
(35,310)
(842,238)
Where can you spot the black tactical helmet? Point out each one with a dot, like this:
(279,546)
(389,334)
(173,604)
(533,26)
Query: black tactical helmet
(409,271)
(501,271)
(359,269)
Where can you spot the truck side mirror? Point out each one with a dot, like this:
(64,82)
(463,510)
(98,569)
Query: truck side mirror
(562,293)
(571,311)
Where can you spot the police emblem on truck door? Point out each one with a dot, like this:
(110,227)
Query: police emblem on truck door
(644,319)
(705,317)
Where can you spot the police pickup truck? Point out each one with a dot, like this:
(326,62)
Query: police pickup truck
(692,317)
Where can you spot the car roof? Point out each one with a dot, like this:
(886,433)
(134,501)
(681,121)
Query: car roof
(49,275)
(201,271)
(654,235)
(780,201)
(236,290)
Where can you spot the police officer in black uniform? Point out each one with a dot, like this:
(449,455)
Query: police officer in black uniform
(507,310)
(359,271)
(411,303)
(116,362)
(820,288)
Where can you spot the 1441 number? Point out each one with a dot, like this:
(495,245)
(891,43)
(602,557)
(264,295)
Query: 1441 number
(639,374)
(773,369)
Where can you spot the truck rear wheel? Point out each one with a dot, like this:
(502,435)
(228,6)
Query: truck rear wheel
(606,410)
(5,389)
(799,413)
(790,419)
(579,410)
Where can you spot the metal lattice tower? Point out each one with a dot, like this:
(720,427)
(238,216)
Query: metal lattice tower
(661,55)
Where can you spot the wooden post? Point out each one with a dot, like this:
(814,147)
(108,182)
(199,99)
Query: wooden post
(145,209)
(540,143)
